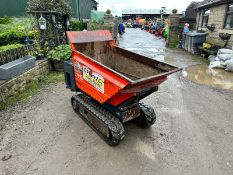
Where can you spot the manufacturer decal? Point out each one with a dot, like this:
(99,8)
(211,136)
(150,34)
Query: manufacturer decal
(93,78)
(78,67)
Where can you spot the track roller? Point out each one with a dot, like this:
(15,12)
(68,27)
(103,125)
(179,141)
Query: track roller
(147,117)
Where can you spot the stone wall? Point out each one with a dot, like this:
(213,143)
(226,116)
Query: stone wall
(173,34)
(17,84)
(216,17)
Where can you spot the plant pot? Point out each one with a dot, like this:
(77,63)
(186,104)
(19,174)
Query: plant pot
(57,66)
(28,41)
(224,36)
(40,57)
(211,28)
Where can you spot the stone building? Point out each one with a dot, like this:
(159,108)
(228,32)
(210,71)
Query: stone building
(190,16)
(217,13)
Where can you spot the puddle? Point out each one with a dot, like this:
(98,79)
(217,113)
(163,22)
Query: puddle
(212,77)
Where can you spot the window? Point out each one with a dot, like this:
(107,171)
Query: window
(229,17)
(205,18)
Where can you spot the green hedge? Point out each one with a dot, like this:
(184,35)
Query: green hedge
(93,25)
(77,25)
(9,47)
(4,20)
(13,37)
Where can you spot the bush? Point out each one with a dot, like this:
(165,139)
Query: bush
(77,25)
(4,20)
(60,53)
(60,6)
(9,47)
(174,11)
(108,12)
(10,37)
(17,30)
(93,25)
(13,37)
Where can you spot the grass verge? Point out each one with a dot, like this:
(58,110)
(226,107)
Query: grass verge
(32,88)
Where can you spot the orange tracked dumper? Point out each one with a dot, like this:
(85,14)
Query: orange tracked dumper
(110,83)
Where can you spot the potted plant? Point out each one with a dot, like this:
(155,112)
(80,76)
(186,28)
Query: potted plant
(58,55)
(39,54)
(108,12)
(174,11)
(211,27)
(28,30)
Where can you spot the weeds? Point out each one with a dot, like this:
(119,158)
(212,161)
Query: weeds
(32,88)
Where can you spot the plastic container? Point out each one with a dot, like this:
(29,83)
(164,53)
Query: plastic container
(183,40)
(194,41)
(186,44)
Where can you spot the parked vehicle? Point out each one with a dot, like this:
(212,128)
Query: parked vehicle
(111,82)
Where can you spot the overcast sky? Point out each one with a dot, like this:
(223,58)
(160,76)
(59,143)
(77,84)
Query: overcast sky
(117,5)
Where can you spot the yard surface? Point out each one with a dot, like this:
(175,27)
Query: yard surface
(192,135)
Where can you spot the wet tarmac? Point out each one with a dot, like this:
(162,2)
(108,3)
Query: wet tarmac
(196,70)
(150,48)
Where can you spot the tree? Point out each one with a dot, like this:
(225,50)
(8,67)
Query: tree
(60,6)
(56,14)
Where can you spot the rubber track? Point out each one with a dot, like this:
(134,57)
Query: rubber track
(115,126)
(149,113)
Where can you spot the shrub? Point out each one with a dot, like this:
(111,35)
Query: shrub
(17,30)
(9,47)
(4,20)
(19,24)
(174,11)
(60,6)
(13,37)
(77,25)
(10,37)
(108,12)
(60,53)
(93,25)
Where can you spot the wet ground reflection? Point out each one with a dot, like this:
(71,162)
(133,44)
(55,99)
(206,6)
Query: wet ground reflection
(212,77)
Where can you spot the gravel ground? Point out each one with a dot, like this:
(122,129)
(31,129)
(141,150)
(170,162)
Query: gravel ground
(192,135)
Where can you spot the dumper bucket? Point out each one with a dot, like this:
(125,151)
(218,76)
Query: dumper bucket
(123,74)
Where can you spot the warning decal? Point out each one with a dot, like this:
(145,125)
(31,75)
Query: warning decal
(93,78)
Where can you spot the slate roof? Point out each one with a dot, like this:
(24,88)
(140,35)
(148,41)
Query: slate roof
(191,9)
(194,4)
(210,3)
